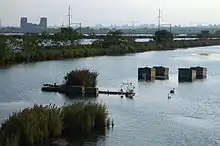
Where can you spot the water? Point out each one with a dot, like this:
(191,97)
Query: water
(90,41)
(191,117)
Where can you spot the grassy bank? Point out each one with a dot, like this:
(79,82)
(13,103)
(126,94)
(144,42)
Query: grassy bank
(41,125)
(33,53)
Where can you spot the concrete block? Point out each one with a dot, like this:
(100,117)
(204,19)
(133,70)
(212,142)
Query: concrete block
(201,72)
(161,72)
(75,90)
(186,75)
(146,73)
(92,91)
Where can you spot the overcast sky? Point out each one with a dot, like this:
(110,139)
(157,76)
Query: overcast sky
(91,12)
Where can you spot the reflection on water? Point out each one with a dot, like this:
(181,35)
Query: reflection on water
(191,117)
(92,140)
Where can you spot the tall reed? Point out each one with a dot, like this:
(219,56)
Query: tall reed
(41,124)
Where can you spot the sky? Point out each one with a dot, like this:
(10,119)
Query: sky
(106,12)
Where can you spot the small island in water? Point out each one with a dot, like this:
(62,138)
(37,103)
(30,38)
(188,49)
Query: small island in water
(83,83)
(48,124)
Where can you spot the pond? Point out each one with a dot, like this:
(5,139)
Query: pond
(191,117)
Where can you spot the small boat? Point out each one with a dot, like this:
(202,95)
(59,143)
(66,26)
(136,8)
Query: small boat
(129,88)
(169,97)
(130,95)
(172,91)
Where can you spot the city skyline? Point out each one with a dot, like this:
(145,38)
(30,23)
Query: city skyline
(90,13)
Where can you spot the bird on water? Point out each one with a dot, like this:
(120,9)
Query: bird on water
(172,91)
(169,97)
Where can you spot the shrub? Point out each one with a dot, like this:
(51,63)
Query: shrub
(32,126)
(41,124)
(83,77)
(163,36)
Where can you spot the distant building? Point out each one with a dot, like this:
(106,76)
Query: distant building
(0,24)
(23,22)
(33,28)
(43,23)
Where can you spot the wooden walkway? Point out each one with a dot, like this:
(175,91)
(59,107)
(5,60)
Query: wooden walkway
(113,92)
(126,94)
(60,89)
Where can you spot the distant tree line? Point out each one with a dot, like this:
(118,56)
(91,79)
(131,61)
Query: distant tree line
(63,44)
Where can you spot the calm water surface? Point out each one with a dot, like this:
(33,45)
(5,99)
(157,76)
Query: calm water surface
(191,117)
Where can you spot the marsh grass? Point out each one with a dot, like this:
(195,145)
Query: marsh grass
(41,124)
(81,77)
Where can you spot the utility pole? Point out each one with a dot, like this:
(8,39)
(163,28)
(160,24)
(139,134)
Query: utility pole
(80,24)
(171,28)
(159,17)
(69,16)
(69,22)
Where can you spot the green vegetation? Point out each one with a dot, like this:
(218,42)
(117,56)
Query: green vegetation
(67,34)
(217,34)
(205,34)
(112,39)
(163,36)
(31,48)
(41,125)
(83,77)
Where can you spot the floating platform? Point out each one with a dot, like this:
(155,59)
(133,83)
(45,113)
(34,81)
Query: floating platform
(79,90)
(112,92)
(53,88)
(127,94)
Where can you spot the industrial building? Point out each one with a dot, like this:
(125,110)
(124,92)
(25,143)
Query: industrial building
(33,28)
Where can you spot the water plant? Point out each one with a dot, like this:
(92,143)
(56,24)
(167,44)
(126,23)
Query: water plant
(42,124)
(81,77)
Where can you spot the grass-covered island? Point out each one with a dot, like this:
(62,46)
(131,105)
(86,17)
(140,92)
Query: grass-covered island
(45,124)
(77,83)
(31,48)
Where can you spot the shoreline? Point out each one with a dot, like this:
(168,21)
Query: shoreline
(67,53)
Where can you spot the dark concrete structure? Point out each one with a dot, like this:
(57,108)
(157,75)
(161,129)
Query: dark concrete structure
(186,75)
(146,74)
(92,91)
(162,73)
(72,91)
(75,91)
(201,72)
